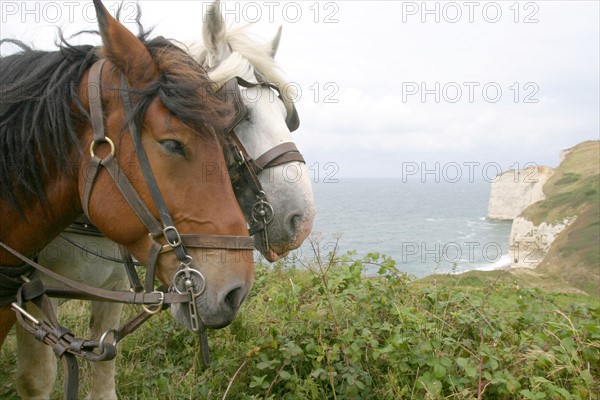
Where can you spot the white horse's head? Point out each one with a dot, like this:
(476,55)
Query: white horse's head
(231,53)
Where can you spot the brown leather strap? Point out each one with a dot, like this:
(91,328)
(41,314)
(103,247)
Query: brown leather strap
(71,376)
(84,226)
(246,164)
(132,325)
(95,99)
(151,267)
(107,295)
(132,275)
(93,169)
(10,281)
(273,157)
(132,197)
(166,221)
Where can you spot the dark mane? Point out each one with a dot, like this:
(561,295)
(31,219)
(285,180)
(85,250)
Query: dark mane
(37,128)
(39,100)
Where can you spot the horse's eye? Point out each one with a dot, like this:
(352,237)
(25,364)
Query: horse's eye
(174,147)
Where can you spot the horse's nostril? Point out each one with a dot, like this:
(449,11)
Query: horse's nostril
(294,223)
(235,297)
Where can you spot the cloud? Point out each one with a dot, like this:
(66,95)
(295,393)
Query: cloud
(359,63)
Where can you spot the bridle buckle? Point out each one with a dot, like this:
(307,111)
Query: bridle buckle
(173,231)
(159,305)
(240,159)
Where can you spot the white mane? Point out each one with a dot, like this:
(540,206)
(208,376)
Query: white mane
(248,58)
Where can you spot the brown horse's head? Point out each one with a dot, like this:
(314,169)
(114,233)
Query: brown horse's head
(177,115)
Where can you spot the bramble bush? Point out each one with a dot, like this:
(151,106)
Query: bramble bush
(322,329)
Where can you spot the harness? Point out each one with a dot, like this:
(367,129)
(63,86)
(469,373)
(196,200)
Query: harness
(188,283)
(243,169)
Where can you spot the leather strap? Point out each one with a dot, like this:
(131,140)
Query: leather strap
(168,226)
(71,378)
(95,100)
(157,229)
(84,226)
(132,197)
(10,281)
(134,279)
(102,294)
(93,169)
(245,167)
(278,155)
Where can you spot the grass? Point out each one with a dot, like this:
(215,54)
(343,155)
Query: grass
(573,186)
(321,330)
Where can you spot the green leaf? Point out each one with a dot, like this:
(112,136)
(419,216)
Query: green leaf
(263,365)
(163,383)
(285,375)
(439,370)
(258,381)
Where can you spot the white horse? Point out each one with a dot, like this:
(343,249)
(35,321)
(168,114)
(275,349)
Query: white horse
(227,54)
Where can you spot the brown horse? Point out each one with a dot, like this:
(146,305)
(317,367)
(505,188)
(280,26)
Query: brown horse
(48,180)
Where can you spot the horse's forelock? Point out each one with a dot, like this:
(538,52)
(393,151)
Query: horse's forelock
(186,90)
(248,53)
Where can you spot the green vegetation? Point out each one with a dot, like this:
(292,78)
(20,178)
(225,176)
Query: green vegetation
(323,330)
(574,187)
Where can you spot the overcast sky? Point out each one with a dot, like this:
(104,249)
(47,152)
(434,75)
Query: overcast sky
(391,88)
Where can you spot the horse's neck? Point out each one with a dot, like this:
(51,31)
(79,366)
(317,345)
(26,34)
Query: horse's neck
(30,231)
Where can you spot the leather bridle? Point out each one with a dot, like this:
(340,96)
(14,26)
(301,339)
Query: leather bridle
(245,170)
(165,227)
(187,284)
(241,168)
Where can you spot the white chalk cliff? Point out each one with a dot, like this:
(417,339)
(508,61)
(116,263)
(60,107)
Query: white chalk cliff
(515,190)
(554,230)
(529,244)
(511,193)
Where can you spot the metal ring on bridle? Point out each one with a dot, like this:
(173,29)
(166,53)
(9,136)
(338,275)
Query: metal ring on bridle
(187,262)
(180,277)
(104,140)
(262,211)
(103,340)
(158,305)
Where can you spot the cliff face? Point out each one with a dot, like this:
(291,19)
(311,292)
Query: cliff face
(529,243)
(559,235)
(515,190)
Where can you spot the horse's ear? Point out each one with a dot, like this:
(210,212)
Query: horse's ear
(123,49)
(275,42)
(214,34)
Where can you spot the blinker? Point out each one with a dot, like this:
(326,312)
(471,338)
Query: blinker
(231,91)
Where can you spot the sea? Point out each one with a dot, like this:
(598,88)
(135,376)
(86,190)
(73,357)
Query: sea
(426,227)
